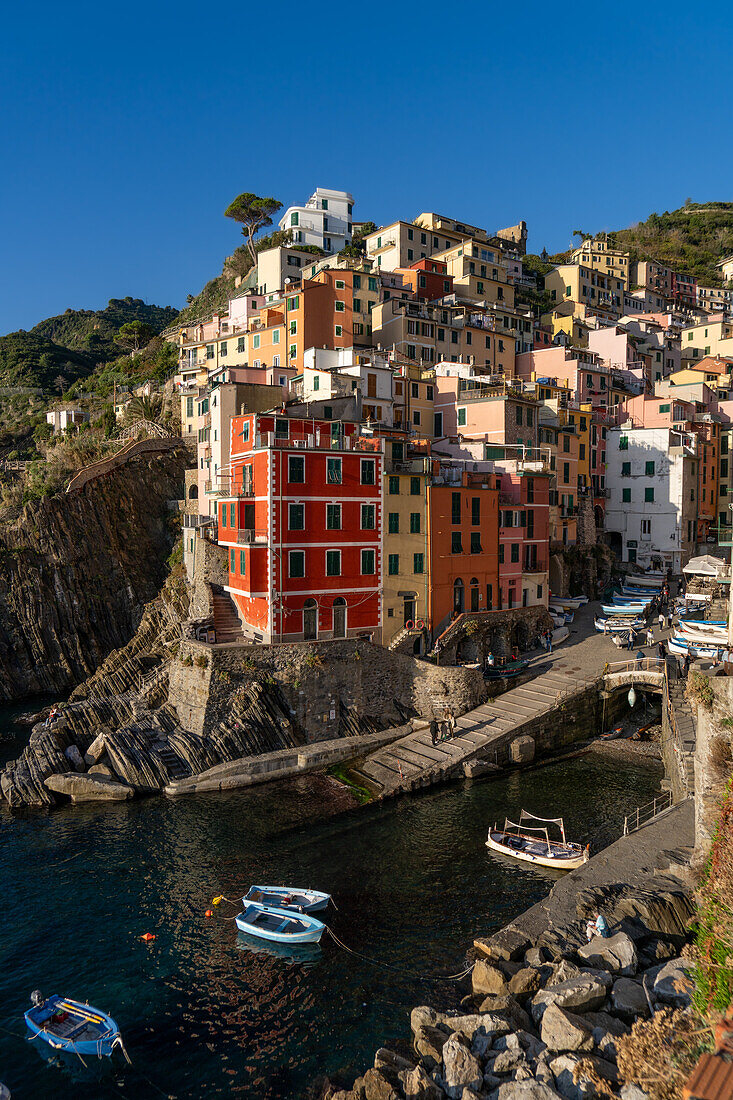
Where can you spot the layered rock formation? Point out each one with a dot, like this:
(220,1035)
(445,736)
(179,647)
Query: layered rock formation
(76,571)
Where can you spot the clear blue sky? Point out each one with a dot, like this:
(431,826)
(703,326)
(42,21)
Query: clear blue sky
(126,130)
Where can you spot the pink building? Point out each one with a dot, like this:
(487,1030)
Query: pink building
(524,536)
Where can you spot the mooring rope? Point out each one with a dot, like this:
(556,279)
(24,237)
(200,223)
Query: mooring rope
(398,970)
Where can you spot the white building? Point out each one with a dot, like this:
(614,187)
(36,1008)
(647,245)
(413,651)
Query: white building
(346,372)
(651,486)
(61,419)
(325,220)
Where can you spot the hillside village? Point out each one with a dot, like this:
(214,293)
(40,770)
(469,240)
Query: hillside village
(390,434)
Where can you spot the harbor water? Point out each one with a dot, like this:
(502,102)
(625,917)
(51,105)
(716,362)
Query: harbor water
(206,1013)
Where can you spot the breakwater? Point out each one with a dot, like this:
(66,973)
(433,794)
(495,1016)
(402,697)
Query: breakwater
(547,1008)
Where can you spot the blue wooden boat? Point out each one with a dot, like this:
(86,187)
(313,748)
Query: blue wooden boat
(72,1026)
(288,897)
(616,599)
(279,925)
(612,611)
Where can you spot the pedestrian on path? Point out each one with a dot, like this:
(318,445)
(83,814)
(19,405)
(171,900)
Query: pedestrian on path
(669,618)
(649,636)
(687,664)
(433,730)
(661,651)
(630,640)
(450,722)
(661,620)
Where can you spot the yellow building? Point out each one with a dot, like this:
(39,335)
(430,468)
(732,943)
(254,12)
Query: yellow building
(405,540)
(712,337)
(596,253)
(602,294)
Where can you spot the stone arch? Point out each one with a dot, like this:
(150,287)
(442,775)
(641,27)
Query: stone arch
(193,492)
(520,636)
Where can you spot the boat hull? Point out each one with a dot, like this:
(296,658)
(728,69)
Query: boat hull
(83,1019)
(614,610)
(289,929)
(538,860)
(284,897)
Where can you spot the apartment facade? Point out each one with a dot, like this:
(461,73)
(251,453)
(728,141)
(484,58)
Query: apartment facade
(301,520)
(325,220)
(598,255)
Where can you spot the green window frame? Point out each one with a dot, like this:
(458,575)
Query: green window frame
(626,496)
(340,307)
(333,517)
(242,563)
(333,563)
(649,469)
(649,495)
(393,565)
(623,443)
(232,514)
(456,545)
(625,469)
(368,563)
(232,561)
(515,552)
(368,517)
(394,486)
(296,563)
(333,471)
(415,486)
(393,523)
(414,523)
(475,542)
(296,517)
(418,563)
(461,418)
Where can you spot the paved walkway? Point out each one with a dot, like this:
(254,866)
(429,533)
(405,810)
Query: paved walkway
(576,663)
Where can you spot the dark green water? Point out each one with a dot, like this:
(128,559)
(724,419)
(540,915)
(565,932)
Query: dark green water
(203,1015)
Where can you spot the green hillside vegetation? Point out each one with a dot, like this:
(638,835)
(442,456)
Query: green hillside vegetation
(691,239)
(94,330)
(29,359)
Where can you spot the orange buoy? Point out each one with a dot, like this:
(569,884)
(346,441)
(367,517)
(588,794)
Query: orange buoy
(209,913)
(147,936)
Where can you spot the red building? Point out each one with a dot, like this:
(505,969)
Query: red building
(428,279)
(524,538)
(683,290)
(302,520)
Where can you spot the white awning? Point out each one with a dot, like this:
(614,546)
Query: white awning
(706,566)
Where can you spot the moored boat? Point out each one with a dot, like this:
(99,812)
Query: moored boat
(515,840)
(72,1026)
(279,925)
(632,609)
(683,648)
(288,897)
(613,625)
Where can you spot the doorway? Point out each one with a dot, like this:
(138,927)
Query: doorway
(410,610)
(310,620)
(458,595)
(339,617)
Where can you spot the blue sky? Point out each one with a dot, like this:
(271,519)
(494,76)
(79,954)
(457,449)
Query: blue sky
(126,130)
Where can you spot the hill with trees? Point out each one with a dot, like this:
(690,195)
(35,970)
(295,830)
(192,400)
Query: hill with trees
(94,330)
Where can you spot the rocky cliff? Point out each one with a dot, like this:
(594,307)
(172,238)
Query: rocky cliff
(76,571)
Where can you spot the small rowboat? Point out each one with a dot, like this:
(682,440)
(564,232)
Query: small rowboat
(572,603)
(613,626)
(279,925)
(682,648)
(507,670)
(288,897)
(646,580)
(72,1026)
(634,609)
(540,850)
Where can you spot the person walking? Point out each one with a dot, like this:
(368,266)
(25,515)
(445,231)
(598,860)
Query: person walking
(661,620)
(649,636)
(450,722)
(433,730)
(687,664)
(661,651)
(669,617)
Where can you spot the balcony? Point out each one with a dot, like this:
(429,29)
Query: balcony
(224,488)
(247,536)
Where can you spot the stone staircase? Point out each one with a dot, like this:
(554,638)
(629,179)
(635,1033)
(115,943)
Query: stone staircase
(226,621)
(683,724)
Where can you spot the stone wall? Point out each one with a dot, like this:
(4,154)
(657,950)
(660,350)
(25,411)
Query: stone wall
(711,699)
(333,688)
(210,566)
(581,570)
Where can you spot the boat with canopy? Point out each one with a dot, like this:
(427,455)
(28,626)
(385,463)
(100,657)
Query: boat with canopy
(532,843)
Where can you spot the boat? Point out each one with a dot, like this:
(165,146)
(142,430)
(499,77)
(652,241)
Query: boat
(646,580)
(625,600)
(567,616)
(514,840)
(571,603)
(612,625)
(305,954)
(501,669)
(279,925)
(716,636)
(558,620)
(613,610)
(72,1026)
(621,640)
(683,648)
(560,635)
(288,897)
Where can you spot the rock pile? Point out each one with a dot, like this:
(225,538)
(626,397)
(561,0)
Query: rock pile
(543,1018)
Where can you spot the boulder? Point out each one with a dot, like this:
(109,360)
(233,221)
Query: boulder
(536,956)
(633,1092)
(606,1031)
(73,755)
(662,912)
(508,945)
(89,788)
(506,1061)
(655,950)
(563,1031)
(416,1085)
(460,1068)
(526,1090)
(377,1087)
(489,1023)
(585,993)
(525,983)
(390,1063)
(616,953)
(572,1083)
(628,999)
(522,750)
(672,985)
(429,1042)
(507,1007)
(97,749)
(487,978)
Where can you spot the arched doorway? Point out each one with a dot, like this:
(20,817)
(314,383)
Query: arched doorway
(310,620)
(474,594)
(459,597)
(193,492)
(339,617)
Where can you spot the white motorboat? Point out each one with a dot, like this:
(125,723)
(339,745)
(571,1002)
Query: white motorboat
(516,840)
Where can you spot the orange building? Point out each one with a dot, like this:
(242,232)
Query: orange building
(463,546)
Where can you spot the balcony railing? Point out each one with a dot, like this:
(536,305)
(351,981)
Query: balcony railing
(247,536)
